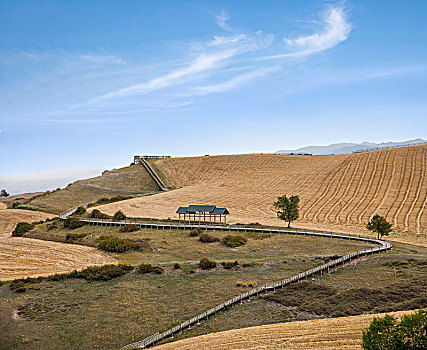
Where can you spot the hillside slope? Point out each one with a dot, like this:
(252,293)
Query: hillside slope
(338,192)
(129,180)
(335,333)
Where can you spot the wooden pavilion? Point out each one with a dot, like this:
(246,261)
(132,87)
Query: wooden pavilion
(203,214)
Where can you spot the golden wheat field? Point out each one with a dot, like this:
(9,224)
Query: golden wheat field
(10,217)
(26,257)
(327,334)
(337,192)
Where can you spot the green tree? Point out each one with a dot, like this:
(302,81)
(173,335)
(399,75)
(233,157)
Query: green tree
(3,193)
(386,333)
(381,334)
(379,225)
(412,330)
(287,208)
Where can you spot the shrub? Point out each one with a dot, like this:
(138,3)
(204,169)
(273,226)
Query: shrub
(195,232)
(129,228)
(234,241)
(80,211)
(102,201)
(118,215)
(98,215)
(73,223)
(91,273)
(17,286)
(252,284)
(21,228)
(24,207)
(207,238)
(51,226)
(148,268)
(104,272)
(229,265)
(119,198)
(176,266)
(114,244)
(71,237)
(206,264)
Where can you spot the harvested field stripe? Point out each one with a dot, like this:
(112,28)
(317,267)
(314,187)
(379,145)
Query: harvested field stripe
(366,191)
(377,188)
(407,190)
(358,189)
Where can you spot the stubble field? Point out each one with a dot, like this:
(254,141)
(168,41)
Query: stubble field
(337,193)
(326,334)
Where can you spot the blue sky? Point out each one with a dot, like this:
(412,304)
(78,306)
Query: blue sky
(88,84)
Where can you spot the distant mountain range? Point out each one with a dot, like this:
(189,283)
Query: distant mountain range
(346,147)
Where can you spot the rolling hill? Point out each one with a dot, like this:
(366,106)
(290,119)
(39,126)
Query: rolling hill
(133,179)
(326,334)
(337,192)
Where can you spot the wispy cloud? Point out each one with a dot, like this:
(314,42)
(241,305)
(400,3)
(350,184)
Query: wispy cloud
(201,64)
(234,82)
(105,83)
(221,19)
(336,29)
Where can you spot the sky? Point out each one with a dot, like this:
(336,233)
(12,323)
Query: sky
(85,85)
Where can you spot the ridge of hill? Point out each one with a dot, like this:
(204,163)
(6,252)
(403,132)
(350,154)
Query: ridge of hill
(337,192)
(129,180)
(347,147)
(326,334)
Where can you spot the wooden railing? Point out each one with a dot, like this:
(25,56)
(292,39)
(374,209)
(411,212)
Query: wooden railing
(160,184)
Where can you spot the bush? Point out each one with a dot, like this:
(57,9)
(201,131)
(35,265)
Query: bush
(148,268)
(21,228)
(129,228)
(118,215)
(98,215)
(206,238)
(104,272)
(114,244)
(206,264)
(17,286)
(176,266)
(51,226)
(195,232)
(80,211)
(387,333)
(23,207)
(91,273)
(73,223)
(234,241)
(229,265)
(71,237)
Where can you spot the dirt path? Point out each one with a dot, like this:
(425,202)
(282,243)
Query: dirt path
(325,334)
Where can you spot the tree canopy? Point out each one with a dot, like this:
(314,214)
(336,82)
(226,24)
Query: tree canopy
(379,225)
(287,208)
(3,193)
(389,334)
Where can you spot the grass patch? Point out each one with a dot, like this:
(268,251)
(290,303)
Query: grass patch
(234,241)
